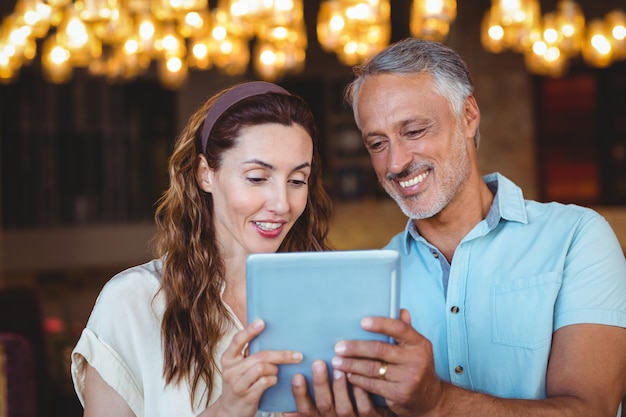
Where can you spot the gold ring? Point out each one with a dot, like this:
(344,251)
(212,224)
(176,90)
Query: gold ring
(382,371)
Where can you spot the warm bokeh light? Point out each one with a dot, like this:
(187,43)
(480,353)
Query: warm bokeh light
(431,19)
(353,29)
(120,40)
(548,42)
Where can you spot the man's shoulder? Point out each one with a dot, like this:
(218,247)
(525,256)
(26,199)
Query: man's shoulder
(560,212)
(513,204)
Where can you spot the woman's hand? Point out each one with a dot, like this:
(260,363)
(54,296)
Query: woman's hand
(245,378)
(331,401)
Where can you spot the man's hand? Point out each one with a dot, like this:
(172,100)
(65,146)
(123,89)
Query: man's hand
(403,373)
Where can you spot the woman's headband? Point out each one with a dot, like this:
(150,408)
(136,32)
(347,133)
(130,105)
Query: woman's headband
(232,96)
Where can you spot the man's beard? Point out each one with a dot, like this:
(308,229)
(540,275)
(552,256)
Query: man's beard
(451,177)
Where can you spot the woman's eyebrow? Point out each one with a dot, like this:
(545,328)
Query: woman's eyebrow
(259,162)
(301,166)
(272,167)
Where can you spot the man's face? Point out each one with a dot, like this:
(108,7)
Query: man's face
(418,146)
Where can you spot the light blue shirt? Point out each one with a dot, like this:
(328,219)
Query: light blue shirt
(523,272)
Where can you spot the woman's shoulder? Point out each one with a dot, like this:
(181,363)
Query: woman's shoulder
(133,290)
(144,278)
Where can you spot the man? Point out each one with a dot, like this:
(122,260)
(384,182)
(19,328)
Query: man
(511,307)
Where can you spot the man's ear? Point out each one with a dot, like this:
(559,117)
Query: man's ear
(204,174)
(471,115)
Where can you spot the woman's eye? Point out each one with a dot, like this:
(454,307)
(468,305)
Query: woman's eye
(255,180)
(298,183)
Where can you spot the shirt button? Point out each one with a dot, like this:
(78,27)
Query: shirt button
(458,370)
(436,255)
(454,310)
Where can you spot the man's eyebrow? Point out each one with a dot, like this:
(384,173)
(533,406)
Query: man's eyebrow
(395,125)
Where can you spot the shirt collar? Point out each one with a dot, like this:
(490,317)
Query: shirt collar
(509,199)
(508,204)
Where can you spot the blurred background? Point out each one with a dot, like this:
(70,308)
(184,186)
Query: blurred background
(94,92)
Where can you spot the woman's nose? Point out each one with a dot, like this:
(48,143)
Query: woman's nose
(278,200)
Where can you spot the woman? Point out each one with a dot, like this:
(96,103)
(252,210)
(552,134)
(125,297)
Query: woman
(167,338)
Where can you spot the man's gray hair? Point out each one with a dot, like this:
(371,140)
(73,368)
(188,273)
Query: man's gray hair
(415,56)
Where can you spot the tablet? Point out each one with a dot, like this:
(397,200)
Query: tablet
(311,300)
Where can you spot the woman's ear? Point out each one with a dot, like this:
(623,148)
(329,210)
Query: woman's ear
(204,174)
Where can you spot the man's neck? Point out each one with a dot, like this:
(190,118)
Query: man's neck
(446,229)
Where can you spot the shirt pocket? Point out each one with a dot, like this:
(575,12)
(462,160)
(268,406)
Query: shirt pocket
(523,310)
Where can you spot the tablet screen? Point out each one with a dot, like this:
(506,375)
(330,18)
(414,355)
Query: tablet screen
(311,300)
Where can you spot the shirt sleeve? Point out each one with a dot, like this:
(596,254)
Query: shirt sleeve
(594,277)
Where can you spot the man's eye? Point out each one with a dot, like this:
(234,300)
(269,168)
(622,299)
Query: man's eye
(374,146)
(415,133)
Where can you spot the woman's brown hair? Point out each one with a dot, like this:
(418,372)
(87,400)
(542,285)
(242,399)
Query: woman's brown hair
(195,318)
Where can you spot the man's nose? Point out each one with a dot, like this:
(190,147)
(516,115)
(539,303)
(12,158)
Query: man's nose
(399,156)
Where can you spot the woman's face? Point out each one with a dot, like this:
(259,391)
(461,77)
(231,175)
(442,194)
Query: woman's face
(260,189)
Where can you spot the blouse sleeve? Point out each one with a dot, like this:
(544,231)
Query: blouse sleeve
(122,337)
(111,367)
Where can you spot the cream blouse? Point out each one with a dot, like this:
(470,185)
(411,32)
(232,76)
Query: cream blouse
(122,341)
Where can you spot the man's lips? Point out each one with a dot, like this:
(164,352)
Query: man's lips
(411,182)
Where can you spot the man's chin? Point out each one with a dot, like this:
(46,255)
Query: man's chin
(408,205)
